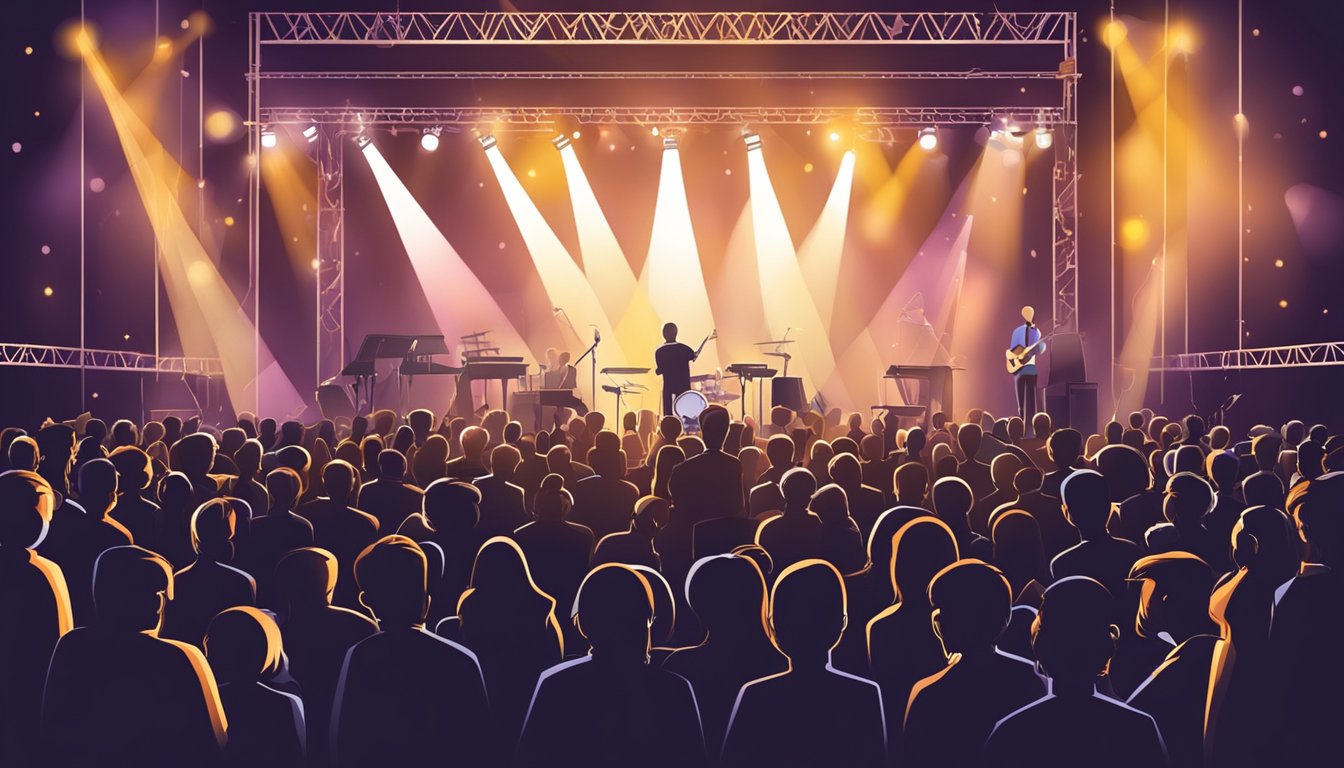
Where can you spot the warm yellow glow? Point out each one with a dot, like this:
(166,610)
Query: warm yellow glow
(228,221)
(565,284)
(819,255)
(835,135)
(1133,233)
(672,275)
(290,179)
(1283,303)
(47,291)
(788,303)
(222,125)
(1113,33)
(1182,39)
(458,300)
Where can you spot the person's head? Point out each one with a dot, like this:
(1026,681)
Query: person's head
(429,462)
(472,442)
(421,422)
(1187,458)
(292,433)
(391,465)
(1136,419)
(1113,432)
(195,454)
(504,461)
(131,586)
(1064,447)
(1263,489)
(213,526)
(779,451)
(1317,508)
(669,332)
(452,505)
(1072,636)
(727,592)
(1188,498)
(1017,429)
(1027,480)
(1310,459)
(1016,538)
(820,455)
(1156,425)
(831,504)
(1220,437)
(1264,543)
(340,480)
(871,448)
(175,492)
(952,499)
(969,438)
(392,576)
(608,464)
(614,611)
(306,578)
(1265,449)
(808,612)
(26,505)
(1318,433)
(971,602)
(845,471)
(513,432)
(24,454)
(919,549)
(124,432)
(911,483)
(780,416)
(1041,426)
(714,422)
(797,486)
(1125,470)
(1173,595)
(1002,469)
(1293,432)
(553,502)
(669,457)
(284,485)
(1029,315)
(915,440)
(938,421)
(1086,502)
(243,645)
(297,458)
(98,486)
(1221,467)
(56,449)
(651,514)
(501,569)
(669,428)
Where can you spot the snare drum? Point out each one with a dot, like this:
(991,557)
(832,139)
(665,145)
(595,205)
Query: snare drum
(689,405)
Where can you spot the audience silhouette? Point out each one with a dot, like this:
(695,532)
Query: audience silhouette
(266,726)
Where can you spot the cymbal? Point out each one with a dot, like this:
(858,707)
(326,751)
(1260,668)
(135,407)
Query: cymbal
(703,377)
(722,397)
(770,343)
(784,355)
(618,371)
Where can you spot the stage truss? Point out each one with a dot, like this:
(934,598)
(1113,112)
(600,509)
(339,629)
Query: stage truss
(623,33)
(1291,356)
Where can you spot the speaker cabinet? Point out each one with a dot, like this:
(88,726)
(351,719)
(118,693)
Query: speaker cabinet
(1073,405)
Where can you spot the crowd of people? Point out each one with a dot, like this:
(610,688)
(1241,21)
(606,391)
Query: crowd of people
(812,591)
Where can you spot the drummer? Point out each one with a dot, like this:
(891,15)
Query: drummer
(674,364)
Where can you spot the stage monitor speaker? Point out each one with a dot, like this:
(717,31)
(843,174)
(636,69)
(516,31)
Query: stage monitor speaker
(1067,365)
(1073,405)
(788,392)
(335,403)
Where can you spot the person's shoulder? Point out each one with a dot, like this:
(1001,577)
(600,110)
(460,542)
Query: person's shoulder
(853,684)
(350,620)
(566,673)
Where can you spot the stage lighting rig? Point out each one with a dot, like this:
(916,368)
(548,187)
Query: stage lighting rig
(752,139)
(310,133)
(268,138)
(488,141)
(561,141)
(928,138)
(429,139)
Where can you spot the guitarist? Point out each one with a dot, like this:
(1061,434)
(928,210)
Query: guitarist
(673,360)
(1027,336)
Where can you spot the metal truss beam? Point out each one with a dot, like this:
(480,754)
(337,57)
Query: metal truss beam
(963,74)
(330,254)
(38,356)
(1292,356)
(543,117)
(681,28)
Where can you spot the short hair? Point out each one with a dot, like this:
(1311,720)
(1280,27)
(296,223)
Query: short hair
(808,607)
(243,644)
(1188,496)
(392,574)
(1072,635)
(613,599)
(27,502)
(213,524)
(974,601)
(1086,499)
(391,464)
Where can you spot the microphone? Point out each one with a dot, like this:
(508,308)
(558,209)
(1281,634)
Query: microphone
(597,336)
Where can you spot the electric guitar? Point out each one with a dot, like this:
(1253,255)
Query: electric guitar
(1019,356)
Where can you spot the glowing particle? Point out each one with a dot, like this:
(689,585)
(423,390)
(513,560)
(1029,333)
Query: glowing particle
(17,147)
(501,245)
(1323,134)
(531,173)
(727,171)
(126,337)
(1297,90)
(611,147)
(200,184)
(28,50)
(47,291)
(37,113)
(94,395)
(1278,263)
(1283,303)
(46,250)
(1255,32)
(186,24)
(315,264)
(807,167)
(96,184)
(228,221)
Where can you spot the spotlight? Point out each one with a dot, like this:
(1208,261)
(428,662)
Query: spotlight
(835,135)
(1044,137)
(488,141)
(310,133)
(575,135)
(752,139)
(362,141)
(561,141)
(928,139)
(669,142)
(653,131)
(268,139)
(429,140)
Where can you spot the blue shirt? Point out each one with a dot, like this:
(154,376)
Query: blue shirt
(1025,336)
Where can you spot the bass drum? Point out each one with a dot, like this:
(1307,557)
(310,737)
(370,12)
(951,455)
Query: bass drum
(688,406)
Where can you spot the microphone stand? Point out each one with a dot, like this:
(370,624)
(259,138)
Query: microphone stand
(592,355)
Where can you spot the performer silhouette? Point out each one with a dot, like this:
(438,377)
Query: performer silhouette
(674,364)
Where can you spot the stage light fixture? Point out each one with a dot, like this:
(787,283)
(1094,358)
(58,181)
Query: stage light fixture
(1045,137)
(752,139)
(488,141)
(928,139)
(575,135)
(310,133)
(654,131)
(669,142)
(362,141)
(429,139)
(560,141)
(835,135)
(268,139)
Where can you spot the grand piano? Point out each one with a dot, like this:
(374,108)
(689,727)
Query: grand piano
(485,368)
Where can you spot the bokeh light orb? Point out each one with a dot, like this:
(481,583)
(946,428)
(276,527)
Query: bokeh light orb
(223,125)
(96,184)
